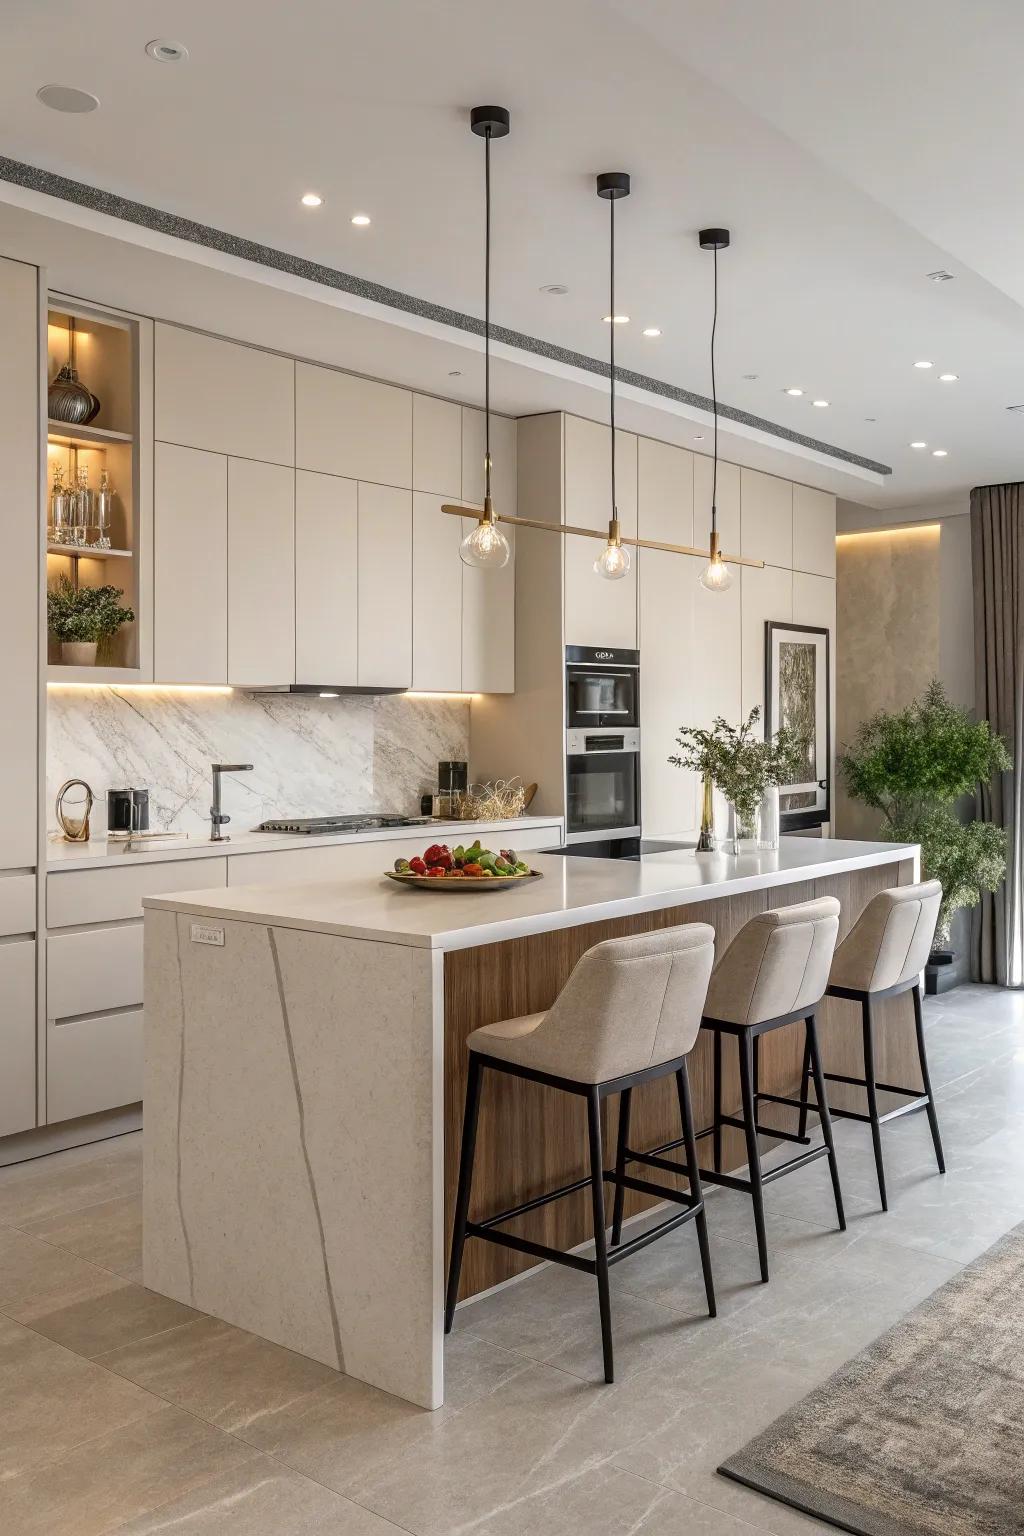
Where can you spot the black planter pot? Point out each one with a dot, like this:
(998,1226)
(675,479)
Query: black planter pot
(941,973)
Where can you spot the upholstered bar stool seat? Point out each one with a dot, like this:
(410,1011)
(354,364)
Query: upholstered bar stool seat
(773,973)
(883,955)
(629,1012)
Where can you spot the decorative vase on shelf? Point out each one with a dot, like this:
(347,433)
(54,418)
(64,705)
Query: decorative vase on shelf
(768,819)
(67,398)
(706,841)
(742,830)
(78,653)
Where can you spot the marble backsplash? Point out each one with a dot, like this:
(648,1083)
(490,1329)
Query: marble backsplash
(310,756)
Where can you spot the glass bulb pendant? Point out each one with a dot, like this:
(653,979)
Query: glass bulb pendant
(613,561)
(485,545)
(716,575)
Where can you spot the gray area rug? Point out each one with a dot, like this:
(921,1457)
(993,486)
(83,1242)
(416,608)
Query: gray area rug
(923,1433)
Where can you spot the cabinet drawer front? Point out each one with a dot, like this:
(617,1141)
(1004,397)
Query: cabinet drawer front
(93,971)
(106,895)
(93,1064)
(18,1036)
(17,904)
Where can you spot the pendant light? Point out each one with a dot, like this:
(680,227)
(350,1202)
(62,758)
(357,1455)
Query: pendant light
(486,545)
(716,576)
(613,561)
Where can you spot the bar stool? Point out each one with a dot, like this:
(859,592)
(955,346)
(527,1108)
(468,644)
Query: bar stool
(773,973)
(629,1013)
(883,955)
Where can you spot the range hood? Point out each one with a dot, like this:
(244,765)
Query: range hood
(325,690)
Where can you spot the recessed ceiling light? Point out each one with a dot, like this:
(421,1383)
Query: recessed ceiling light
(872,419)
(65,98)
(924,363)
(794,391)
(311,200)
(165,51)
(698,437)
(940,276)
(619,319)
(751,376)
(939,453)
(919,445)
(360,220)
(820,403)
(652,330)
(949,378)
(556,288)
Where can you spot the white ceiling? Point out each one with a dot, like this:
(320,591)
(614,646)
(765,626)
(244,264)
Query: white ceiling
(851,149)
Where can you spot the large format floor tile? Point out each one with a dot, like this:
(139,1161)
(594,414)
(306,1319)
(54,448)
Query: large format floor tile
(67,1181)
(108,1233)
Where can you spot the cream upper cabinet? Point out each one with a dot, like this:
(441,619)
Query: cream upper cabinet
(385,586)
(436,446)
(814,531)
(350,426)
(190,586)
(437,575)
(20,409)
(18,1035)
(488,623)
(664,492)
(766,508)
(261,573)
(598,612)
(223,396)
(326,579)
(503,460)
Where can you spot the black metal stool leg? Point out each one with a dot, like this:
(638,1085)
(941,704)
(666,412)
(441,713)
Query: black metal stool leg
(600,1241)
(469,1125)
(805,1073)
(693,1179)
(625,1105)
(933,1119)
(869,1083)
(717,1140)
(753,1156)
(824,1116)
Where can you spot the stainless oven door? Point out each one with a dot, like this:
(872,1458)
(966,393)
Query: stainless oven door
(602,774)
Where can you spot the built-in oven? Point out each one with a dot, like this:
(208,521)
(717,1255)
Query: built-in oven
(602,688)
(602,784)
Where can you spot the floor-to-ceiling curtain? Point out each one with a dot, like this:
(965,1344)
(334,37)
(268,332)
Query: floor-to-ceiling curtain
(997,559)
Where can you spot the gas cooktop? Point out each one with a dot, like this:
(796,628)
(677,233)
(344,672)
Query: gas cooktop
(321,825)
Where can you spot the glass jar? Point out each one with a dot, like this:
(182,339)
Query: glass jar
(741,834)
(768,819)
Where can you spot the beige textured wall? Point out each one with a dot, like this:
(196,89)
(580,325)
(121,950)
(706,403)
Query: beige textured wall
(888,603)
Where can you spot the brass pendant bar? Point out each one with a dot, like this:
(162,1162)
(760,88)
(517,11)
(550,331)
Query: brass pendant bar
(595,533)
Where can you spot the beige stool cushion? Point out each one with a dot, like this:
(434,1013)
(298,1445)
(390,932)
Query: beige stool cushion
(890,941)
(628,1004)
(777,964)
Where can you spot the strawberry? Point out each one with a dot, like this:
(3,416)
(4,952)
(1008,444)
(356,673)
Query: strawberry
(438,853)
(437,871)
(417,866)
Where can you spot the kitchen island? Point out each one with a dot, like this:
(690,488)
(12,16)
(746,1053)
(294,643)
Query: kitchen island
(305,1073)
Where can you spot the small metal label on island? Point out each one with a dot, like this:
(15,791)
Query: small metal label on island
(207,933)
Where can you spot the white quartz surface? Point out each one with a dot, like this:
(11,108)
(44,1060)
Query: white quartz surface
(99,853)
(573,891)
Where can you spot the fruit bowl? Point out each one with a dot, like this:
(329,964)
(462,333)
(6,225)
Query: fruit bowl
(458,869)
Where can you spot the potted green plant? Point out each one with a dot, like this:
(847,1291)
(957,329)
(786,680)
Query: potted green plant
(80,617)
(741,764)
(912,765)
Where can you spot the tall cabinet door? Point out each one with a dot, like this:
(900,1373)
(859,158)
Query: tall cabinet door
(19,538)
(489,597)
(190,543)
(326,579)
(436,597)
(385,586)
(598,612)
(261,573)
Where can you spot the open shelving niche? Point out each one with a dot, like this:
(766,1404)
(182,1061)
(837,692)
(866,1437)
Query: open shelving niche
(108,364)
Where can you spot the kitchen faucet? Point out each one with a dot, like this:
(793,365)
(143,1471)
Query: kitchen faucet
(217,816)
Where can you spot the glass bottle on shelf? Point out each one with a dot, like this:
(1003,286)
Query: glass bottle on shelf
(60,520)
(83,498)
(103,508)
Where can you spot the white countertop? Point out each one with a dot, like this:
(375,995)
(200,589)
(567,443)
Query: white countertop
(99,853)
(573,891)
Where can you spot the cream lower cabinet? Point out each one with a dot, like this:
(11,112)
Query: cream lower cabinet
(384,565)
(17,1035)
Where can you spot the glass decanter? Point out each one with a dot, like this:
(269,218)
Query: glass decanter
(103,508)
(83,499)
(60,527)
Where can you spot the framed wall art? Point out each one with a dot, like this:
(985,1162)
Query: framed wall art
(796,694)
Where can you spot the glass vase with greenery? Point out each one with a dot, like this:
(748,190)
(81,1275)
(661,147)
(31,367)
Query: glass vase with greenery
(740,763)
(912,765)
(84,615)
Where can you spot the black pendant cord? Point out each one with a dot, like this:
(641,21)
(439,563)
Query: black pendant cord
(611,323)
(487,314)
(714,407)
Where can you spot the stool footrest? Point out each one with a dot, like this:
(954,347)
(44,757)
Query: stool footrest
(858,1082)
(534,1204)
(535,1250)
(731,1181)
(634,1244)
(767,1130)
